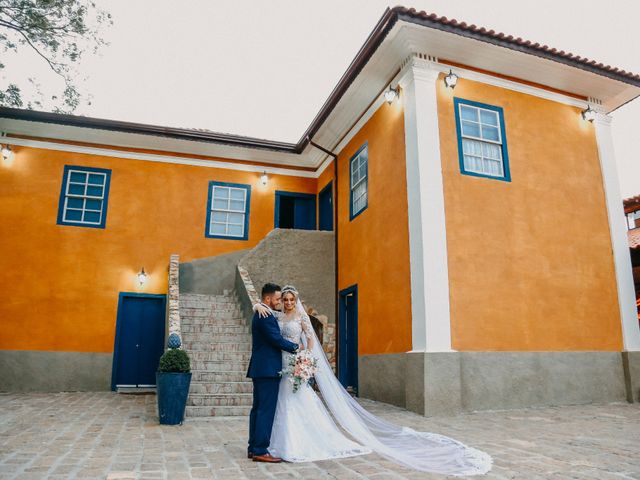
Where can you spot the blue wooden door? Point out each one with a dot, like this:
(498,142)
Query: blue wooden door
(348,338)
(139,340)
(325,206)
(295,210)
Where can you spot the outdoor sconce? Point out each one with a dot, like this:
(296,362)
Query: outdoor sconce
(264,178)
(451,80)
(390,95)
(142,277)
(7,153)
(588,114)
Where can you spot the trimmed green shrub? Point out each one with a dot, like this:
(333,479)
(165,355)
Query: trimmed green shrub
(174,361)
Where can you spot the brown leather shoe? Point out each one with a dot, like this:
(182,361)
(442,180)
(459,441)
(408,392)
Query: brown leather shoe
(266,458)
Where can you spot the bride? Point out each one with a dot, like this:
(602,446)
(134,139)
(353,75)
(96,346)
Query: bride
(305,431)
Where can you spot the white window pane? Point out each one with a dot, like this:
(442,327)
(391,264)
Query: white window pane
(364,155)
(220,192)
(219,217)
(236,218)
(473,164)
(471,147)
(236,230)
(237,205)
(355,178)
(488,117)
(237,193)
(469,113)
(471,129)
(492,150)
(220,204)
(363,170)
(491,133)
(493,168)
(218,229)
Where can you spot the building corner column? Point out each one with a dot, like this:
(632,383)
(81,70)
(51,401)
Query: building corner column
(431,323)
(618,231)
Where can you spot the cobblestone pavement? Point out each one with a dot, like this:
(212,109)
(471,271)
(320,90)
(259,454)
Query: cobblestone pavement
(111,436)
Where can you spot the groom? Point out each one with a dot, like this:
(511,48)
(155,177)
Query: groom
(264,368)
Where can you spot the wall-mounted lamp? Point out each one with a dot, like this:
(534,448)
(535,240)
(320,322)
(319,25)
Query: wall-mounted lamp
(264,178)
(589,114)
(7,153)
(451,80)
(390,95)
(142,277)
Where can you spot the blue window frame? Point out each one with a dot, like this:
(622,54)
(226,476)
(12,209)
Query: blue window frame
(482,142)
(228,211)
(359,182)
(84,197)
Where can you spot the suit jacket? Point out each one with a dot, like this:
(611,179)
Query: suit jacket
(267,346)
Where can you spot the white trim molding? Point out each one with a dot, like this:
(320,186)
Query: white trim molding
(152,157)
(431,323)
(618,230)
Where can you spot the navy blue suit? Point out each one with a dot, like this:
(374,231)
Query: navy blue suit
(264,368)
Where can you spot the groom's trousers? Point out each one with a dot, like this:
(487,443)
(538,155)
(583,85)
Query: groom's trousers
(265,399)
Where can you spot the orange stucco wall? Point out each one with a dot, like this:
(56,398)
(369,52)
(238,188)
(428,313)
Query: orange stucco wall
(60,284)
(374,246)
(530,262)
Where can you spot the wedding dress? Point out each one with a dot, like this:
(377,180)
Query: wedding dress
(303,430)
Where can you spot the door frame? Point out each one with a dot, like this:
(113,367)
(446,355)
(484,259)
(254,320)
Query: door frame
(306,196)
(328,186)
(342,327)
(121,297)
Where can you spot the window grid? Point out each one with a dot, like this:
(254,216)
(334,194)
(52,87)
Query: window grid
(359,187)
(228,211)
(84,197)
(481,142)
(633,220)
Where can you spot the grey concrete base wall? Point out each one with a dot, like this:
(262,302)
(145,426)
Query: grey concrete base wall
(210,276)
(304,258)
(450,383)
(631,365)
(36,371)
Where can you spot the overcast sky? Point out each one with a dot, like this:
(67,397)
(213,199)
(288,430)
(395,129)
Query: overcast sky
(264,68)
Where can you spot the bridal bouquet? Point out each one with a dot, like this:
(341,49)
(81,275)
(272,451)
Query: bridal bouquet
(302,367)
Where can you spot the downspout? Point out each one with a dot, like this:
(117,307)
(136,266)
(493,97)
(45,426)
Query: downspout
(335,230)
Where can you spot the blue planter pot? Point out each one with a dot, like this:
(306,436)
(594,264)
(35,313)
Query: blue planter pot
(172,392)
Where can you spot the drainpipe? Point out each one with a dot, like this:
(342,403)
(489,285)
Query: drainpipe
(335,232)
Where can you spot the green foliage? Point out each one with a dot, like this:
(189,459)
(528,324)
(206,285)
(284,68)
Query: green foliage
(174,360)
(59,31)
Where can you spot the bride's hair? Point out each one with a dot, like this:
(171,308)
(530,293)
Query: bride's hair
(290,289)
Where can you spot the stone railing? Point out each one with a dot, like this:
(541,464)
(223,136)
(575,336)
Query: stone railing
(173,310)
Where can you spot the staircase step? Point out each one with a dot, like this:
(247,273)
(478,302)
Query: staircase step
(219,366)
(213,346)
(220,399)
(219,356)
(222,387)
(205,376)
(217,328)
(213,320)
(218,411)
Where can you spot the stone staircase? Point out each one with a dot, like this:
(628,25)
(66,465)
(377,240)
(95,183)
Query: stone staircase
(218,340)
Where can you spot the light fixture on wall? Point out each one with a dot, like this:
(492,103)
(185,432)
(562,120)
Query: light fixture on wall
(7,153)
(451,80)
(142,277)
(390,95)
(264,178)
(589,114)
